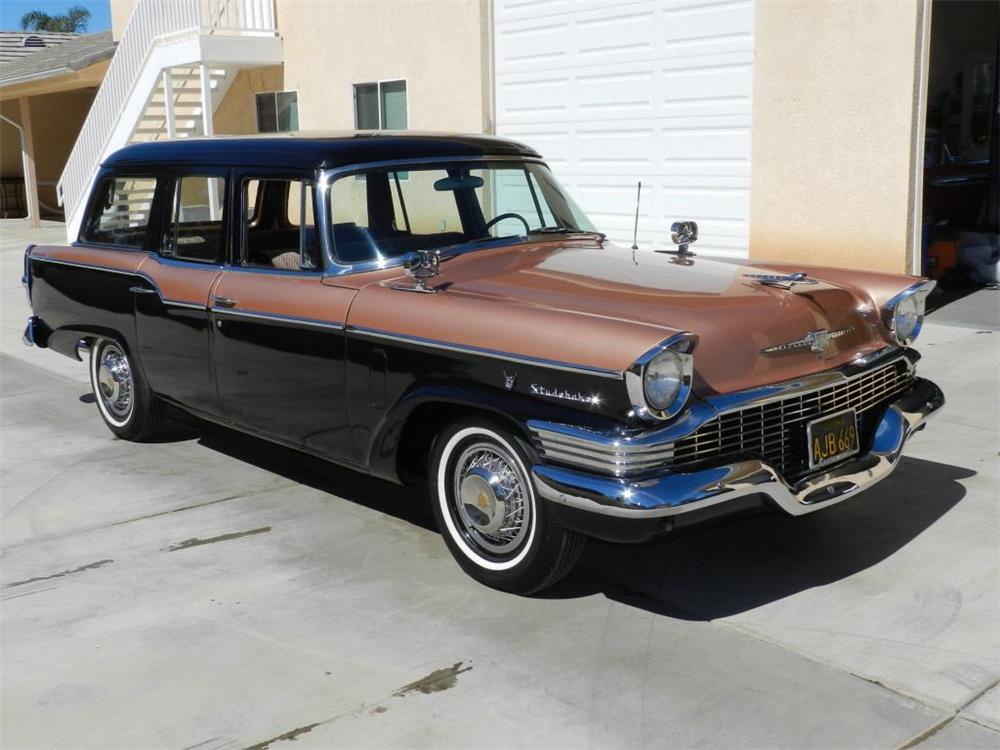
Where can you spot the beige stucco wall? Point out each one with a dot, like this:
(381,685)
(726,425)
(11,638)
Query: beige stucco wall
(436,45)
(835,91)
(56,120)
(237,114)
(120,12)
(11,164)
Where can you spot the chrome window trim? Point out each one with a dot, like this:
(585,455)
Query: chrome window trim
(683,343)
(922,288)
(292,319)
(482,352)
(328,176)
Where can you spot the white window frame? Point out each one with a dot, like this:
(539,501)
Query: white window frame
(256,115)
(378,83)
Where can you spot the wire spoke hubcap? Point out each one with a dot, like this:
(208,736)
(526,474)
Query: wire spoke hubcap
(491,499)
(114,381)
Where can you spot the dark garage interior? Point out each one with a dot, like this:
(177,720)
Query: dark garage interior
(961,193)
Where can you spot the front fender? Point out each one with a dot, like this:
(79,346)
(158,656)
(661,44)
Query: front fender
(459,398)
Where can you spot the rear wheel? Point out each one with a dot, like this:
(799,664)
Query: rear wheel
(487,510)
(127,406)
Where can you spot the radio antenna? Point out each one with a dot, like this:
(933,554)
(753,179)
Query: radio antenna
(635,229)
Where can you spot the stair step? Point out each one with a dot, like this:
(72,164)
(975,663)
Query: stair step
(178,129)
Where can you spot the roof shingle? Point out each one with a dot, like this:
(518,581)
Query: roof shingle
(63,53)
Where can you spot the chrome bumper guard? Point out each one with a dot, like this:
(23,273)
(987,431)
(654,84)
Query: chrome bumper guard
(29,336)
(686,491)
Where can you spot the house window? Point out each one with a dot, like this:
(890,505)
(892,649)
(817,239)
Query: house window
(380,106)
(277,112)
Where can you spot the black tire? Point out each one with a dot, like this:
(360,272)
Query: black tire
(124,401)
(529,551)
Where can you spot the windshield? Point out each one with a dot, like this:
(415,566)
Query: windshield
(384,213)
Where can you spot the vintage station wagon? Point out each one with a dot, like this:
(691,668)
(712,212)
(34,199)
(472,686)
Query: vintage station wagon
(431,308)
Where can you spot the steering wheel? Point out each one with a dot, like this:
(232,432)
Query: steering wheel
(501,217)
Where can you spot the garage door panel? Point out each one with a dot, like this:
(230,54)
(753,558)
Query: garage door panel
(629,90)
(658,91)
(724,81)
(614,35)
(699,23)
(613,146)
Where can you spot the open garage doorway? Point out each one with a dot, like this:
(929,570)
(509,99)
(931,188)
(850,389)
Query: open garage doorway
(960,188)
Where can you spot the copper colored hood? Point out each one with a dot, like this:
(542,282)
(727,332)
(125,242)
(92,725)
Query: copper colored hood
(609,289)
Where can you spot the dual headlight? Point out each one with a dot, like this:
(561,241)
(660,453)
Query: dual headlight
(660,381)
(904,313)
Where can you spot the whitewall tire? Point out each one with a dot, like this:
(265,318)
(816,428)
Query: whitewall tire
(489,514)
(125,403)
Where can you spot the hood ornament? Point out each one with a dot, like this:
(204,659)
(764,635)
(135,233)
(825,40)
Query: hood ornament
(786,281)
(814,341)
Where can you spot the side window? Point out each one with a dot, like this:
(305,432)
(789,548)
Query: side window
(279,229)
(194,229)
(120,215)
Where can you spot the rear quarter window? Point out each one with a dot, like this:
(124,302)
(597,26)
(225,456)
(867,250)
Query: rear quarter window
(120,212)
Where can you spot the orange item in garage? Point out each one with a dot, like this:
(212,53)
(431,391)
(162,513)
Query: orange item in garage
(941,256)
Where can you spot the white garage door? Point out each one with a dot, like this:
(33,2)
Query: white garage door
(613,93)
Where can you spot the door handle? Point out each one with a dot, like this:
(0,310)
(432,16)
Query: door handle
(141,290)
(224,302)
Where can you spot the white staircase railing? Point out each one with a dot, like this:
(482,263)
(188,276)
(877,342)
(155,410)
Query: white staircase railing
(151,20)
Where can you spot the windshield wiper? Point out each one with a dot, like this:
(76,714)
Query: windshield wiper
(567,230)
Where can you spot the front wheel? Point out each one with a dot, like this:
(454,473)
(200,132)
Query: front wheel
(127,406)
(488,512)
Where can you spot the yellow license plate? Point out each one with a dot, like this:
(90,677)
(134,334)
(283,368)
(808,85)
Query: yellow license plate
(832,438)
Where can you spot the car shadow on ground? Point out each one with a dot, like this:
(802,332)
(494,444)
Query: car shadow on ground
(724,570)
(702,574)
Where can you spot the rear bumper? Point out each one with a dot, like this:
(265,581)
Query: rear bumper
(30,337)
(658,504)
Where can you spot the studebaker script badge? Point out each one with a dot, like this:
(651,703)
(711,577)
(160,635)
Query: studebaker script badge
(541,390)
(777,280)
(815,341)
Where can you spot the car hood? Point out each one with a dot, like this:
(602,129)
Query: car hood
(735,317)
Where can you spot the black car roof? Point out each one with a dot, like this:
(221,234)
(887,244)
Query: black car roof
(315,150)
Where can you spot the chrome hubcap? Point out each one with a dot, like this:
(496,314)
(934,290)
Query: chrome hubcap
(114,381)
(491,498)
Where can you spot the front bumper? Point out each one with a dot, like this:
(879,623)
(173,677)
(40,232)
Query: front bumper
(669,498)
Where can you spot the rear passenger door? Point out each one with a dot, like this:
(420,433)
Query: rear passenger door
(171,304)
(278,331)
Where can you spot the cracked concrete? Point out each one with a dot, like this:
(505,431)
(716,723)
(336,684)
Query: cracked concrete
(874,624)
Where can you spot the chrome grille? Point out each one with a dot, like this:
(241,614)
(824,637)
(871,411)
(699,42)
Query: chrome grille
(776,431)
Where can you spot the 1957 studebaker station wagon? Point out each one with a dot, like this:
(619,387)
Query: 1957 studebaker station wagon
(430,308)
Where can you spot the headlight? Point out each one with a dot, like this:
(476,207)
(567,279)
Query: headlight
(904,314)
(659,382)
(906,319)
(662,380)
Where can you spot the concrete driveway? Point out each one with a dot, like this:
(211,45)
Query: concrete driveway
(212,591)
